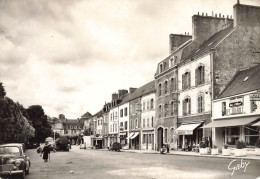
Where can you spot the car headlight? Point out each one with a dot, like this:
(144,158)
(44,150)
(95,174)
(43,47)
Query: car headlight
(11,161)
(17,163)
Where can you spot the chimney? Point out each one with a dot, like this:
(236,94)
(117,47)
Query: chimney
(122,92)
(177,39)
(204,27)
(114,96)
(131,90)
(246,16)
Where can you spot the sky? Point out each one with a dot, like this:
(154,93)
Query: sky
(70,56)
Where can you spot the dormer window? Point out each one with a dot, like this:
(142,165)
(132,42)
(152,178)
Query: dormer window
(161,68)
(171,62)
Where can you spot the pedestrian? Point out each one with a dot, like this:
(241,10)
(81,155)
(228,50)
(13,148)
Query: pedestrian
(46,152)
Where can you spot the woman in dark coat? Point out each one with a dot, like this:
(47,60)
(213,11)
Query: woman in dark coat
(46,151)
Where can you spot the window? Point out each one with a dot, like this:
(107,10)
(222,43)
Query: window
(121,112)
(165,136)
(165,87)
(175,60)
(186,80)
(224,108)
(186,106)
(116,116)
(165,109)
(143,106)
(171,62)
(199,75)
(173,84)
(251,135)
(161,68)
(121,124)
(148,122)
(172,135)
(125,125)
(233,134)
(160,90)
(253,106)
(200,104)
(125,111)
(136,123)
(148,104)
(151,103)
(160,111)
(172,106)
(111,117)
(152,122)
(143,122)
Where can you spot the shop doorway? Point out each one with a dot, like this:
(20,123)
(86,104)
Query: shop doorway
(160,138)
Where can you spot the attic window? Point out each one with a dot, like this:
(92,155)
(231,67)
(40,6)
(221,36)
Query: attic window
(246,78)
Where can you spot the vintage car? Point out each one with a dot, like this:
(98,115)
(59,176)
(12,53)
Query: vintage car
(116,146)
(62,143)
(13,160)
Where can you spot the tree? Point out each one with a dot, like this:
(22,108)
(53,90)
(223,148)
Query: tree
(14,127)
(40,123)
(2,91)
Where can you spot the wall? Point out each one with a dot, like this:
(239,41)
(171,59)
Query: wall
(194,91)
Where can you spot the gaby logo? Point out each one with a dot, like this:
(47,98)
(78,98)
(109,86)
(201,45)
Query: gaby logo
(234,167)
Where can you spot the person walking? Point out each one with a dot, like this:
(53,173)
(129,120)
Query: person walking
(46,152)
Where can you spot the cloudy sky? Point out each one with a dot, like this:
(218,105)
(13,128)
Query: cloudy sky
(70,56)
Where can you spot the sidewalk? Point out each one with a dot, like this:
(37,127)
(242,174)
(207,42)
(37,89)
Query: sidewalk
(196,154)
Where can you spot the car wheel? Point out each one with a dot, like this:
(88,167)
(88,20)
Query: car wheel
(27,171)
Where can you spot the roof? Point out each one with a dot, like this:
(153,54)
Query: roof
(243,81)
(143,90)
(86,115)
(12,144)
(209,44)
(73,121)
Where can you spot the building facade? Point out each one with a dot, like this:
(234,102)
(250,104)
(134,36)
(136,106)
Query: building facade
(147,122)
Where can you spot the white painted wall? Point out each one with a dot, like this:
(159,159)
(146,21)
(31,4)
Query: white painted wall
(194,91)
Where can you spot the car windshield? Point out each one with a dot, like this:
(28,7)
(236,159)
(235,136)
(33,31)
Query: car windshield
(9,150)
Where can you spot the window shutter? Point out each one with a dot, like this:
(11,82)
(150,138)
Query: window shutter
(198,104)
(183,108)
(189,106)
(182,81)
(202,74)
(189,79)
(196,77)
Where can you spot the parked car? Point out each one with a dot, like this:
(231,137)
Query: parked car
(116,146)
(13,160)
(62,143)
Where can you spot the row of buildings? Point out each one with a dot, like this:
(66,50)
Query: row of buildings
(207,87)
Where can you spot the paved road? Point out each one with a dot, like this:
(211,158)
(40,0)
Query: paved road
(104,164)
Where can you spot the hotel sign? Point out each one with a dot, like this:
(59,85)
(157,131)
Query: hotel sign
(255,96)
(184,132)
(234,102)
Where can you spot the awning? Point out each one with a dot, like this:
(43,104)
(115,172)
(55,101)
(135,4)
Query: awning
(227,122)
(134,136)
(130,135)
(256,124)
(187,129)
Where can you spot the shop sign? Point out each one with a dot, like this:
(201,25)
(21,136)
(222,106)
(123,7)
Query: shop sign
(255,96)
(234,102)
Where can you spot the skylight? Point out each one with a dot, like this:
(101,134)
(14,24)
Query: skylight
(246,78)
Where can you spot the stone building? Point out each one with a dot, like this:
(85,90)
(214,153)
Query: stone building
(236,110)
(205,62)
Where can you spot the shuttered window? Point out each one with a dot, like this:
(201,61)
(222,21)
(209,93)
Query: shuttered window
(200,104)
(200,75)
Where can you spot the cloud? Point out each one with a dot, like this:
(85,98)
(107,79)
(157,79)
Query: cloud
(70,56)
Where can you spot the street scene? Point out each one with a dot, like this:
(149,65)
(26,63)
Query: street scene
(94,163)
(129,89)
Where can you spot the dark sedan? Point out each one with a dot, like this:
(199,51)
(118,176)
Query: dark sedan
(13,160)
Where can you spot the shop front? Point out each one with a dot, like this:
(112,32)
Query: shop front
(134,141)
(123,138)
(147,140)
(229,130)
(189,134)
(112,138)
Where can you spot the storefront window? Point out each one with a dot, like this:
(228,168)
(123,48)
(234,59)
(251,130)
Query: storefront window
(233,134)
(252,133)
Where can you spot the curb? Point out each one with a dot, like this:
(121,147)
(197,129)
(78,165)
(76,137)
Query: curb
(207,156)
